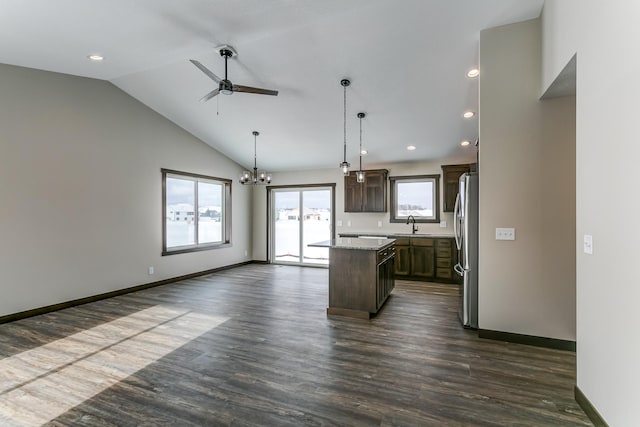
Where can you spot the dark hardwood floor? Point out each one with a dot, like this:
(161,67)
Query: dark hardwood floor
(252,346)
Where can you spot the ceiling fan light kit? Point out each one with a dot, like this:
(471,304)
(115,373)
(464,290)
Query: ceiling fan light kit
(344,166)
(256,177)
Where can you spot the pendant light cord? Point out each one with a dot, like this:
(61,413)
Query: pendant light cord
(360,143)
(345,123)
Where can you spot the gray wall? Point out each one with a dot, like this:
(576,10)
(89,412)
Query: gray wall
(604,35)
(80,186)
(527,181)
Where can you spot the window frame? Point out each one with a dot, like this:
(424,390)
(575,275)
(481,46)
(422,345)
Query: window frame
(225,215)
(393,217)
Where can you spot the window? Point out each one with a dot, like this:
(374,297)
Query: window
(418,196)
(196,212)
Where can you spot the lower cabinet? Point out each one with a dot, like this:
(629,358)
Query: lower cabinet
(360,281)
(429,259)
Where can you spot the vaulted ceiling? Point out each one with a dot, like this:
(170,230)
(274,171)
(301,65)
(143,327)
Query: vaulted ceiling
(406,60)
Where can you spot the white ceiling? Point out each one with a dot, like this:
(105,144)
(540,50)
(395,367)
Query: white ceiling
(406,59)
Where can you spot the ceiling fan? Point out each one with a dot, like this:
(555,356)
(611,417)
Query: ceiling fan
(224,85)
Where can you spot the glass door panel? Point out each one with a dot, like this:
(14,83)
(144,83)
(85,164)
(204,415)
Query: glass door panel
(286,229)
(316,225)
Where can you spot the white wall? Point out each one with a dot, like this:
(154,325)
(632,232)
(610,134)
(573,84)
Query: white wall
(367,222)
(80,190)
(527,181)
(605,37)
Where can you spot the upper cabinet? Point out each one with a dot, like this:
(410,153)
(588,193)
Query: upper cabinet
(450,176)
(369,196)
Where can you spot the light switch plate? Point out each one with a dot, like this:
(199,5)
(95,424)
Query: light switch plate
(443,224)
(348,223)
(505,234)
(588,244)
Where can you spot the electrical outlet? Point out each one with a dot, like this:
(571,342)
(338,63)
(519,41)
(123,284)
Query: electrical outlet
(348,223)
(246,252)
(505,234)
(339,223)
(151,269)
(588,244)
(443,224)
(379,224)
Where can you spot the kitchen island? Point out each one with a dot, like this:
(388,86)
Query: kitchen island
(361,275)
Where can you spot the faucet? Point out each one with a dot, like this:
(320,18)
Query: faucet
(411,219)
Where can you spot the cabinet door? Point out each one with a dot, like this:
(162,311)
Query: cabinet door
(450,176)
(403,261)
(352,194)
(374,197)
(422,262)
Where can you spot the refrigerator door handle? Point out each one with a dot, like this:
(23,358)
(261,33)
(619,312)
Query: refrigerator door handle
(455,221)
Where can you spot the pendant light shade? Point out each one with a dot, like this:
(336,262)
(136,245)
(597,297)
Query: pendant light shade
(256,177)
(344,166)
(360,174)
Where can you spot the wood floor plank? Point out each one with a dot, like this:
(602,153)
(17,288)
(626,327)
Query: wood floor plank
(278,360)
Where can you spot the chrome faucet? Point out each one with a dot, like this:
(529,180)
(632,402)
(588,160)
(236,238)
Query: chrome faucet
(411,219)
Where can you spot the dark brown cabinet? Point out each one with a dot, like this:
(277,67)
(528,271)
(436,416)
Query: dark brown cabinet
(429,259)
(450,176)
(422,263)
(360,281)
(369,196)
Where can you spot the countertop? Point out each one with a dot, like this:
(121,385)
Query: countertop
(353,234)
(355,243)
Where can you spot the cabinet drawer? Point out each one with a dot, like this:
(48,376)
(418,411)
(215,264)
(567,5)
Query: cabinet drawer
(417,241)
(444,243)
(443,262)
(444,273)
(443,253)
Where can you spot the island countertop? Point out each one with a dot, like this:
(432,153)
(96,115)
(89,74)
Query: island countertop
(355,243)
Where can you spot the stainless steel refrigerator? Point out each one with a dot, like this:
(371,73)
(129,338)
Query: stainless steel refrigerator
(465,227)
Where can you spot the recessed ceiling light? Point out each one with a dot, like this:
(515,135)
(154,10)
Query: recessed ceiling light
(474,72)
(468,114)
(465,143)
(411,147)
(95,57)
(364,152)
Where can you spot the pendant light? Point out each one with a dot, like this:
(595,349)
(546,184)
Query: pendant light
(345,165)
(256,177)
(360,174)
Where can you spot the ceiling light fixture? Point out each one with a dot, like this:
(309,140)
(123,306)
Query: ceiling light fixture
(468,114)
(360,174)
(472,73)
(95,57)
(256,177)
(411,147)
(364,152)
(345,165)
(465,143)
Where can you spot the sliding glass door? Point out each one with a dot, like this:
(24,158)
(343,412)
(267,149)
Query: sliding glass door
(300,216)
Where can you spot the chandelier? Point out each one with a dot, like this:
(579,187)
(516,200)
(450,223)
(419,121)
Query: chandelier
(256,177)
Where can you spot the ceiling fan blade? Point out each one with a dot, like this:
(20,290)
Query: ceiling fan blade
(210,95)
(205,70)
(248,89)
